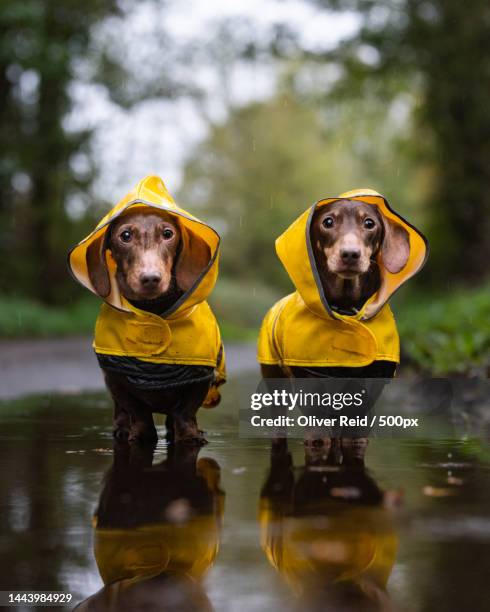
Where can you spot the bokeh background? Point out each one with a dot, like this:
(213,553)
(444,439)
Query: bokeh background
(250,111)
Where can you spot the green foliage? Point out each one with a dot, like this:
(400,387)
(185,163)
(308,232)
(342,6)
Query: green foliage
(240,307)
(21,317)
(447,334)
(252,177)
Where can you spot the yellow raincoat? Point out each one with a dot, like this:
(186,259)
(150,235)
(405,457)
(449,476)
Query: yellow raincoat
(356,544)
(302,329)
(187,333)
(184,549)
(189,547)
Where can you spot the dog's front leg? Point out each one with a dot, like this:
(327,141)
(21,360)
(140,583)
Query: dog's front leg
(122,420)
(121,423)
(170,429)
(142,426)
(186,430)
(133,419)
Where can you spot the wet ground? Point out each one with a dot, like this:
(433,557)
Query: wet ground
(237,527)
(68,365)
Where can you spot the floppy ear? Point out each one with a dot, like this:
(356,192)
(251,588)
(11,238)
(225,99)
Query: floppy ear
(395,249)
(194,256)
(97,267)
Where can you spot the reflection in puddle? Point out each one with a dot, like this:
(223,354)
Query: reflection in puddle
(156,531)
(330,534)
(329,530)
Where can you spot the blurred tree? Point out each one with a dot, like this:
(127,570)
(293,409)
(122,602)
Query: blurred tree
(442,48)
(39,43)
(267,163)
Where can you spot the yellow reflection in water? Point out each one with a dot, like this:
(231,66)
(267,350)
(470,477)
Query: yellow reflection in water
(156,531)
(330,533)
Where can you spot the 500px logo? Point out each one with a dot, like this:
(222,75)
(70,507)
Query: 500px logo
(303,399)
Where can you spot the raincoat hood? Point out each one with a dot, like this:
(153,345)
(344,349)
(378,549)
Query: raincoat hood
(149,550)
(303,330)
(295,252)
(150,192)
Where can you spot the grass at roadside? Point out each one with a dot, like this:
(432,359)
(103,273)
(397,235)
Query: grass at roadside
(447,334)
(21,317)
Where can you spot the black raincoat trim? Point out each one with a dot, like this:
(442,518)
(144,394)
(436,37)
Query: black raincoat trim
(155,376)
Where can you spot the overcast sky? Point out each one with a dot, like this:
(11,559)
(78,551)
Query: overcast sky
(157,135)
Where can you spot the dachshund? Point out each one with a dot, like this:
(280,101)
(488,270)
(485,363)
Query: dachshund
(349,240)
(148,250)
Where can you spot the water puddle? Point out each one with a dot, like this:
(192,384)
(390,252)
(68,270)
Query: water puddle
(236,526)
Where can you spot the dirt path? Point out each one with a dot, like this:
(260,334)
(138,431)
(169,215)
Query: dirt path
(69,365)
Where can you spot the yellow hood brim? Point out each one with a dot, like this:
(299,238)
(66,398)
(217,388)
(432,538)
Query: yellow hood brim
(294,249)
(150,192)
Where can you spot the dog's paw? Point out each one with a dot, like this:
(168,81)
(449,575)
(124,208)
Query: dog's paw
(142,434)
(199,440)
(120,433)
(314,442)
(354,450)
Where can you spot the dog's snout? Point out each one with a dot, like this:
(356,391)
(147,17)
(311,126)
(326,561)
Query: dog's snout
(350,255)
(150,279)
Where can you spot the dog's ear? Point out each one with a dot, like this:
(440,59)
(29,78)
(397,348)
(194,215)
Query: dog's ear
(395,249)
(97,267)
(194,256)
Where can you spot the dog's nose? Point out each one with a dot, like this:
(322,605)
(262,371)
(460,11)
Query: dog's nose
(350,255)
(150,279)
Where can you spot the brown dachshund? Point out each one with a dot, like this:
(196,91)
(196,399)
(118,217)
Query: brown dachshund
(147,248)
(156,339)
(347,239)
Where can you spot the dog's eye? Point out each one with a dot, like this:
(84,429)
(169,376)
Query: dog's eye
(369,223)
(167,233)
(327,222)
(126,236)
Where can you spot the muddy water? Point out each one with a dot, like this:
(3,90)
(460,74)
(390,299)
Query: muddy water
(237,527)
